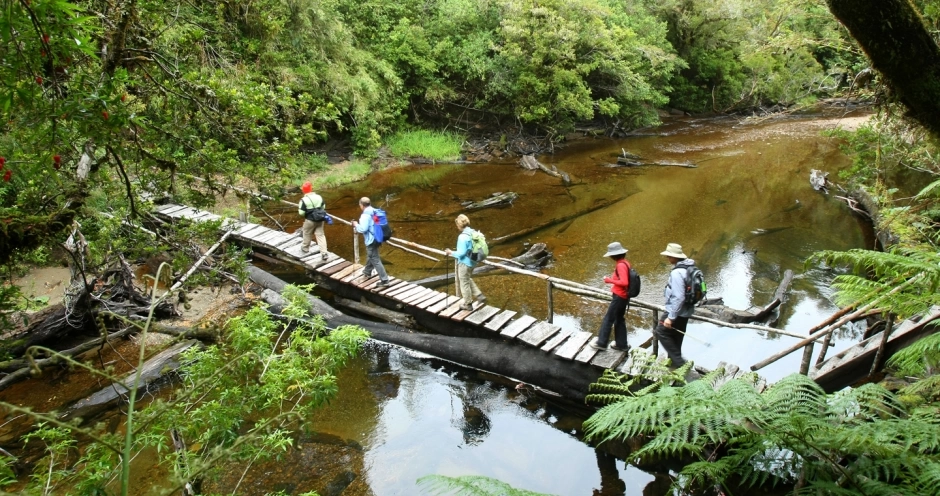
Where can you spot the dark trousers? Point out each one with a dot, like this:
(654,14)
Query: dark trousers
(374,262)
(614,318)
(671,339)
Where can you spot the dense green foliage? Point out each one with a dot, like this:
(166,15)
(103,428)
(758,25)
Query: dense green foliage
(858,441)
(439,146)
(240,400)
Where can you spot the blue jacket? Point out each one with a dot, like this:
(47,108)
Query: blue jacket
(675,291)
(365,226)
(464,248)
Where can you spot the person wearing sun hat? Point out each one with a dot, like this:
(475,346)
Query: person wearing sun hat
(312,205)
(614,317)
(671,329)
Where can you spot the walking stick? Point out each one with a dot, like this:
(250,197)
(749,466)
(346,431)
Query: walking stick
(447,286)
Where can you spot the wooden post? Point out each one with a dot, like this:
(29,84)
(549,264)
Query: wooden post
(881,348)
(807,357)
(551,304)
(655,345)
(825,348)
(355,247)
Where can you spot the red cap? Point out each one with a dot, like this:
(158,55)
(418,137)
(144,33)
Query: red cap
(307,187)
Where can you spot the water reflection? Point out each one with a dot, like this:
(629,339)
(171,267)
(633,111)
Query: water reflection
(450,421)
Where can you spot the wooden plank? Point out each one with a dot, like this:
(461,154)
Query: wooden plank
(539,333)
(294,251)
(247,228)
(335,268)
(329,264)
(344,272)
(480,316)
(608,359)
(266,238)
(315,263)
(500,320)
(463,314)
(183,213)
(586,354)
(519,325)
(441,305)
(451,310)
(166,208)
(627,365)
(291,240)
(356,278)
(421,298)
(276,240)
(405,295)
(366,283)
(203,216)
(393,286)
(401,289)
(556,340)
(573,345)
(254,234)
(435,298)
(375,280)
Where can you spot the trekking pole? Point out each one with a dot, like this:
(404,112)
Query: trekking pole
(355,247)
(447,284)
(707,345)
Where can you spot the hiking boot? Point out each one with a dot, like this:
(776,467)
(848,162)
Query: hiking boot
(481,298)
(305,250)
(620,348)
(382,284)
(325,256)
(367,275)
(594,344)
(466,307)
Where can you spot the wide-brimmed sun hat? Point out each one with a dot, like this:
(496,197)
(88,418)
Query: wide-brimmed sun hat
(674,250)
(615,249)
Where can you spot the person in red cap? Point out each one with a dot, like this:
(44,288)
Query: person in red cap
(313,209)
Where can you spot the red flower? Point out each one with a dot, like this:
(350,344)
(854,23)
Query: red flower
(124,97)
(3,161)
(38,79)
(45,38)
(105,114)
(57,159)
(8,175)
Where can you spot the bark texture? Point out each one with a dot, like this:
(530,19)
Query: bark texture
(894,37)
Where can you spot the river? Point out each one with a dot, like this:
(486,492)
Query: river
(746,214)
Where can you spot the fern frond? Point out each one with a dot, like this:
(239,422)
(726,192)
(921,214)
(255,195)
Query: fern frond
(604,399)
(917,357)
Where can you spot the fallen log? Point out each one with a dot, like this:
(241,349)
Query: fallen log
(389,316)
(521,363)
(636,162)
(529,162)
(152,371)
(496,200)
(555,221)
(536,256)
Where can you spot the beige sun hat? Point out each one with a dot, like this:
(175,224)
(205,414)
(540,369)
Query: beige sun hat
(615,249)
(674,250)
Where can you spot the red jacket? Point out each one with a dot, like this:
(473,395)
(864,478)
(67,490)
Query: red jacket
(620,278)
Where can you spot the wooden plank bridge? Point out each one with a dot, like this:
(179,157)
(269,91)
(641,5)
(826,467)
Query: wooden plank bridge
(425,304)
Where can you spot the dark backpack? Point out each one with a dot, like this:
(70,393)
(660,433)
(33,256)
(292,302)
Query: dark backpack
(633,285)
(315,214)
(381,231)
(695,287)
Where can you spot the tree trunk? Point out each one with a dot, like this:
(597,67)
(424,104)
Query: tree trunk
(894,37)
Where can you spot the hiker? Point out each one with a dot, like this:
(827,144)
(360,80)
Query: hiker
(671,329)
(312,207)
(465,285)
(364,226)
(620,281)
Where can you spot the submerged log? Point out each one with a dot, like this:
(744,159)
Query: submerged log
(529,162)
(497,200)
(536,256)
(555,221)
(152,371)
(635,161)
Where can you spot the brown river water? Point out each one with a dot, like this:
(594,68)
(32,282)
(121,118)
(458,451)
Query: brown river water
(746,214)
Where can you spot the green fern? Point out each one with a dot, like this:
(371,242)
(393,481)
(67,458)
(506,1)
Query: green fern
(858,441)
(470,485)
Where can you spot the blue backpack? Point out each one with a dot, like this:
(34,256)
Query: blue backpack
(381,231)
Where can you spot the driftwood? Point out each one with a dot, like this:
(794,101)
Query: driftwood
(819,180)
(529,162)
(536,256)
(497,200)
(636,162)
(716,309)
(389,316)
(552,222)
(151,372)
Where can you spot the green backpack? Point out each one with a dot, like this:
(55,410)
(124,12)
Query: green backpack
(478,248)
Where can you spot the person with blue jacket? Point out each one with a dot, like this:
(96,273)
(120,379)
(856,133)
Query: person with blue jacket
(364,227)
(671,329)
(467,289)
